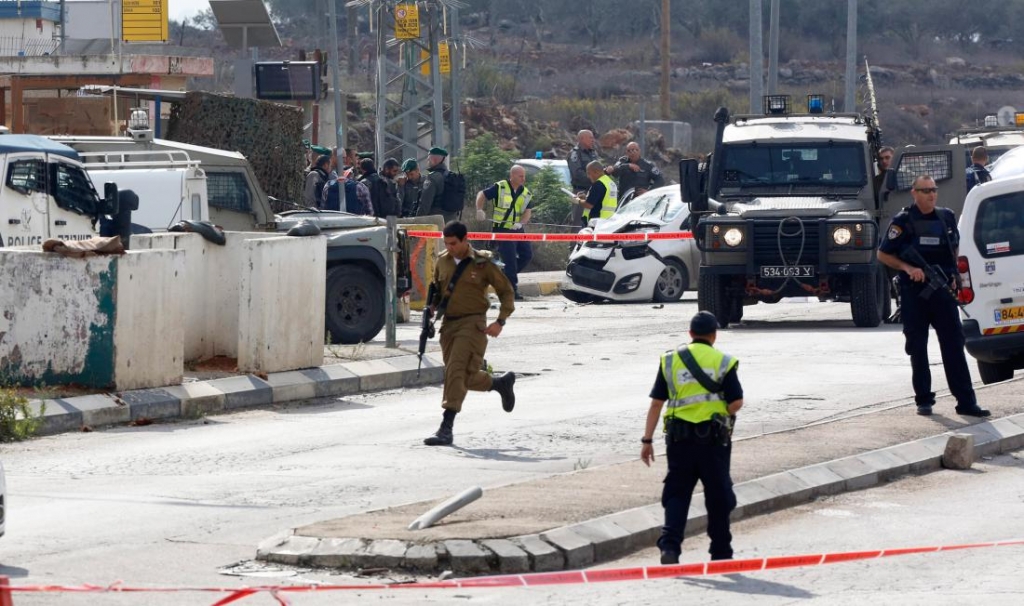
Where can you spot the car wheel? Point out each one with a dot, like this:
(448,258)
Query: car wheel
(671,283)
(579,297)
(355,304)
(994,372)
(712,296)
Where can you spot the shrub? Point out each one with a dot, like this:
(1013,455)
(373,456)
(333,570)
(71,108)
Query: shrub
(483,163)
(551,206)
(16,420)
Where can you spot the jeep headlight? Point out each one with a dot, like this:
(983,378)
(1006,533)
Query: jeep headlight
(842,236)
(733,237)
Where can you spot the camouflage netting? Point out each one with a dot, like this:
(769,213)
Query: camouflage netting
(268,134)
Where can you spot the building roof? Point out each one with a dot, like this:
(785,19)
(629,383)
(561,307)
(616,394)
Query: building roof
(30,9)
(35,143)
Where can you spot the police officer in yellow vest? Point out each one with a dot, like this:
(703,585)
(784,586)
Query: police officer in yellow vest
(703,393)
(511,212)
(603,197)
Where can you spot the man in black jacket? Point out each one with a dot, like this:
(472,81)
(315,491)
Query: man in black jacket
(634,172)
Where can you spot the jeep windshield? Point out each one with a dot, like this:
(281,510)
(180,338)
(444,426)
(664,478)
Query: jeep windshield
(817,165)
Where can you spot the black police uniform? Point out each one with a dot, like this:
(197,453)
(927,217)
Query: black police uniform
(936,237)
(647,178)
(698,452)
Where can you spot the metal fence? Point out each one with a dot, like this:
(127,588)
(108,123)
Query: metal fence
(12,46)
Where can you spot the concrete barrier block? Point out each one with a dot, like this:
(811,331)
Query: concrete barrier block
(467,558)
(511,558)
(281,303)
(609,540)
(336,553)
(243,391)
(55,416)
(290,551)
(643,524)
(406,367)
(544,557)
(197,399)
(578,550)
(99,410)
(919,457)
(959,452)
(375,375)
(822,480)
(986,438)
(333,380)
(385,553)
(290,386)
(151,404)
(856,473)
(421,557)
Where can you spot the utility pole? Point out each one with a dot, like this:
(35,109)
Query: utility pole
(850,101)
(666,47)
(773,50)
(756,55)
(334,56)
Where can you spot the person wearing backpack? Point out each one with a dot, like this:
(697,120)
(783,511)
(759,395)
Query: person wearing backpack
(432,198)
(511,211)
(315,181)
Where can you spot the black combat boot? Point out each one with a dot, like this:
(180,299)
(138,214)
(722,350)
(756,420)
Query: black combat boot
(503,385)
(443,436)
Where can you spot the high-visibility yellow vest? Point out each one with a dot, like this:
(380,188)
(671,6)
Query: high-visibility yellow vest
(504,201)
(688,400)
(610,201)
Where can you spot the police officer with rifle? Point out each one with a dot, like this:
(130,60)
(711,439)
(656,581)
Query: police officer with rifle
(921,243)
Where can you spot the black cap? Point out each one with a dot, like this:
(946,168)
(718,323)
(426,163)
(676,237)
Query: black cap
(704,323)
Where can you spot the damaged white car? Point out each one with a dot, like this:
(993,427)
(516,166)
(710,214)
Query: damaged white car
(657,270)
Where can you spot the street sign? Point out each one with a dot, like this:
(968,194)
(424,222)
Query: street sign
(144,20)
(407,22)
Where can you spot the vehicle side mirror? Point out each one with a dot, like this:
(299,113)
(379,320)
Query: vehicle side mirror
(110,206)
(890,179)
(689,185)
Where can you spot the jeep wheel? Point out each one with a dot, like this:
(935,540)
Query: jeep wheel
(355,304)
(671,283)
(711,296)
(867,298)
(994,372)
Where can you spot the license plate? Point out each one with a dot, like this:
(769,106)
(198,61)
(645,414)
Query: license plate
(1009,314)
(787,271)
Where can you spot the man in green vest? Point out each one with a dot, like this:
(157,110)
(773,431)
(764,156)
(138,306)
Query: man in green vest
(703,392)
(602,198)
(511,212)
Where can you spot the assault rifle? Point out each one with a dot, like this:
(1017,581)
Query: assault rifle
(934,278)
(427,325)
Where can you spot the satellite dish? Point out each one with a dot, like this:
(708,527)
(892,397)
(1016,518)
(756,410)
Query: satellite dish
(1006,115)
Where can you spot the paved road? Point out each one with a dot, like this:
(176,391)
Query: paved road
(171,504)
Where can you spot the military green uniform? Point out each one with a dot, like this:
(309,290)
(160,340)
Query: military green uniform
(463,342)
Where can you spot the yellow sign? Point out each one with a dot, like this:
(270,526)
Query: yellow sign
(407,22)
(444,59)
(144,20)
(425,62)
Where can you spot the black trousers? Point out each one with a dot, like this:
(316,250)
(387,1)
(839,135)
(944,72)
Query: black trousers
(690,460)
(939,312)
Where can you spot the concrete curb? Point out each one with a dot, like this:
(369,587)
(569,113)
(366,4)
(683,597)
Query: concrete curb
(193,400)
(605,538)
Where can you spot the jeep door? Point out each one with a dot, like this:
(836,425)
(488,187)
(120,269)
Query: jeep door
(74,201)
(23,210)
(944,163)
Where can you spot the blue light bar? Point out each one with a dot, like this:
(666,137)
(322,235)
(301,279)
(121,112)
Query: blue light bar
(815,104)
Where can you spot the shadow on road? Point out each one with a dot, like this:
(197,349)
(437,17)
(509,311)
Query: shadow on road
(504,454)
(738,583)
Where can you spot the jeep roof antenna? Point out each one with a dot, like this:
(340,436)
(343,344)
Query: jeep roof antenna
(876,128)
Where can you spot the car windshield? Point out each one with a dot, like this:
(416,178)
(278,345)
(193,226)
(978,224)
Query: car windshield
(817,164)
(654,205)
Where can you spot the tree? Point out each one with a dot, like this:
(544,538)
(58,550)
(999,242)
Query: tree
(483,163)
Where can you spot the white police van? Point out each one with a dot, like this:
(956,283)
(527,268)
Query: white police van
(991,267)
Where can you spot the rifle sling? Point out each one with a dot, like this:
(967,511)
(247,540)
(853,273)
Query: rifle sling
(698,373)
(461,267)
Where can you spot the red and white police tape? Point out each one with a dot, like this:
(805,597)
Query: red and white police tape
(537,579)
(544,237)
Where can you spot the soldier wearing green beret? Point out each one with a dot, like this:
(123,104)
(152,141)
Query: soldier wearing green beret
(433,186)
(410,186)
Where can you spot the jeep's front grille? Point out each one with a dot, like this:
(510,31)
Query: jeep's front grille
(797,239)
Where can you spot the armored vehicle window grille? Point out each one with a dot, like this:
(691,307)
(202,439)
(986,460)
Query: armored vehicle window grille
(228,191)
(937,164)
(73,190)
(798,243)
(999,227)
(27,176)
